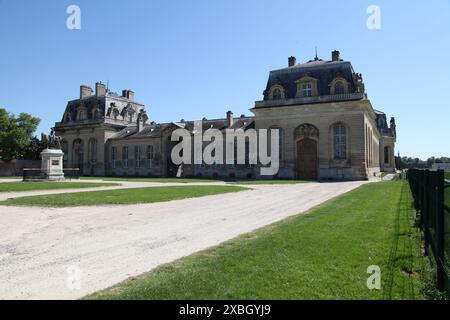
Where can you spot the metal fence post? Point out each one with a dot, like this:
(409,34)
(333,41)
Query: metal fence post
(440,230)
(425,207)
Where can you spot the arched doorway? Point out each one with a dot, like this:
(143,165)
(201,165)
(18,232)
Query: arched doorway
(306,137)
(78,154)
(307,159)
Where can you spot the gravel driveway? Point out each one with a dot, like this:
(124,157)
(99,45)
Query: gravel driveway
(66,253)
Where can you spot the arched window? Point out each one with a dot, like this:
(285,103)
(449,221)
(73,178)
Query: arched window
(339,88)
(78,154)
(387,155)
(340,141)
(65,150)
(276,94)
(92,150)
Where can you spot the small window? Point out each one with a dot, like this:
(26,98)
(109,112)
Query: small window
(340,142)
(307,90)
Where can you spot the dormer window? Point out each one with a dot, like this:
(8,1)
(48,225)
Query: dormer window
(115,114)
(307,90)
(339,86)
(276,92)
(306,87)
(81,115)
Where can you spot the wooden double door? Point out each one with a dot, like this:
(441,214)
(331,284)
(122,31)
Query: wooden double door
(307,162)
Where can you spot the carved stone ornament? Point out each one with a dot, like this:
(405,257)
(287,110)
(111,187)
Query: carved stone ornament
(306,131)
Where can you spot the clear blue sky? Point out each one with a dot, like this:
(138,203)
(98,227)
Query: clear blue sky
(200,58)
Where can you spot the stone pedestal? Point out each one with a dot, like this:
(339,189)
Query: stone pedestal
(52,165)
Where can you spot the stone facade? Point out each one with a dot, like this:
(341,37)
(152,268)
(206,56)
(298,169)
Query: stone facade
(328,129)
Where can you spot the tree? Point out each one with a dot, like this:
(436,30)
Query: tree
(16,134)
(33,150)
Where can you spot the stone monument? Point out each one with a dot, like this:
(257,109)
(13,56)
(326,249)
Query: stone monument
(52,158)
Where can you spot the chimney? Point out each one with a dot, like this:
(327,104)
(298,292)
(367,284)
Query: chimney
(85,91)
(100,89)
(128,94)
(335,55)
(292,61)
(141,120)
(230,119)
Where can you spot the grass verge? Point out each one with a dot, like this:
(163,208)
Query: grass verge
(255,182)
(320,255)
(31,186)
(160,180)
(121,196)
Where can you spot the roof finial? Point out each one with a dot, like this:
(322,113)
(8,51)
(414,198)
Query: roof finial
(316,57)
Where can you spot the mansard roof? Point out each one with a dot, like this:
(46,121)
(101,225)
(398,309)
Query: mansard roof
(155,129)
(222,124)
(382,125)
(323,71)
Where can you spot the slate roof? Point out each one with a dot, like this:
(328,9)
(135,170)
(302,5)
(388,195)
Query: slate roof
(222,124)
(382,123)
(154,129)
(323,71)
(89,103)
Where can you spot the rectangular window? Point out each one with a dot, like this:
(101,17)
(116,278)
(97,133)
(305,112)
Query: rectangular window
(113,157)
(150,156)
(125,157)
(137,156)
(340,142)
(307,90)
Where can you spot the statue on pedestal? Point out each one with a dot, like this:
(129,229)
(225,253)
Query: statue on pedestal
(52,157)
(51,141)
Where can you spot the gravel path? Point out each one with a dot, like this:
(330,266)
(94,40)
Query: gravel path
(43,249)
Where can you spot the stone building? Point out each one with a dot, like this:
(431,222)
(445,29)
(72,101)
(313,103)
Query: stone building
(328,129)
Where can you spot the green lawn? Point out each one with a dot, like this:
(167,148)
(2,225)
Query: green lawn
(29,186)
(161,180)
(11,177)
(320,255)
(121,196)
(447,175)
(254,182)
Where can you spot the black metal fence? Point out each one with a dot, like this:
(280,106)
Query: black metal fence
(71,173)
(35,174)
(431,194)
(31,174)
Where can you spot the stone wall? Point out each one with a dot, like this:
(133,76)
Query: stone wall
(15,167)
